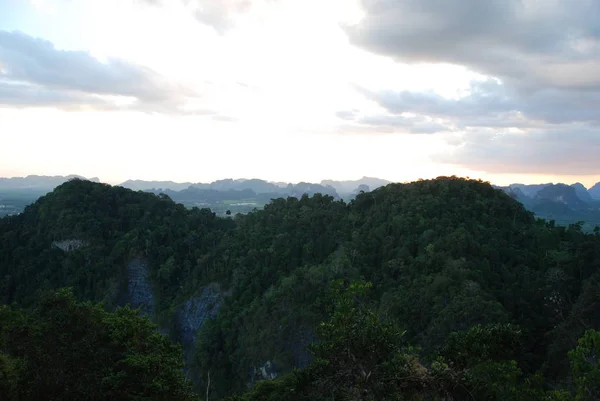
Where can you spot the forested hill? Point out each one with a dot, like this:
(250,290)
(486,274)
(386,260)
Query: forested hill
(246,295)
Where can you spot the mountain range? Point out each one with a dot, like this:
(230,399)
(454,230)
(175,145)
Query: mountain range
(332,187)
(38,182)
(259,186)
(565,204)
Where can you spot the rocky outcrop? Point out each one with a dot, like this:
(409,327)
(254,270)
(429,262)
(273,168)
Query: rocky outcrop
(69,245)
(139,290)
(264,372)
(196,310)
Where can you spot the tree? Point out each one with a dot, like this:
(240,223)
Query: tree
(66,350)
(585,364)
(358,357)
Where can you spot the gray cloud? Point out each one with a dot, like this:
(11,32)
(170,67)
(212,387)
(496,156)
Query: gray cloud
(388,123)
(558,131)
(33,70)
(492,104)
(544,59)
(412,125)
(528,45)
(570,149)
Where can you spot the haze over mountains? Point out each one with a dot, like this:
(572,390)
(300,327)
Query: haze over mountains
(41,182)
(261,186)
(38,182)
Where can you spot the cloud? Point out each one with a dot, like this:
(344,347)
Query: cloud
(34,72)
(347,114)
(388,123)
(490,103)
(526,44)
(497,130)
(539,109)
(23,95)
(570,149)
(222,15)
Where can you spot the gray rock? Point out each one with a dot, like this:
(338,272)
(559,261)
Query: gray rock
(139,290)
(196,310)
(69,245)
(265,372)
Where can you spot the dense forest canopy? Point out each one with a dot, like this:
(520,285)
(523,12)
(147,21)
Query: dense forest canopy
(66,350)
(443,288)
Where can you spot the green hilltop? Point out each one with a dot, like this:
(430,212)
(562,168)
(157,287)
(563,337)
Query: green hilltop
(442,288)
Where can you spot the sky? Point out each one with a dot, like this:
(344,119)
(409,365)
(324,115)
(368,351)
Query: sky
(301,90)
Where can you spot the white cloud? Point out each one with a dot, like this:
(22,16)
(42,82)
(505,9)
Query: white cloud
(282,77)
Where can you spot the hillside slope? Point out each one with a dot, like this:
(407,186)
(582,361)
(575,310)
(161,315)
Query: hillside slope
(244,295)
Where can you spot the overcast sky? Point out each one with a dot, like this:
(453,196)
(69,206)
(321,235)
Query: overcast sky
(291,90)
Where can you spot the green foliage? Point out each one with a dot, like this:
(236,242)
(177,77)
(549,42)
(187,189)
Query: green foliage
(585,363)
(360,356)
(482,343)
(10,376)
(444,256)
(114,225)
(65,350)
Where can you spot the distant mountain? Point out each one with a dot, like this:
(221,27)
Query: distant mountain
(262,187)
(582,192)
(141,185)
(517,194)
(280,184)
(529,190)
(39,182)
(349,187)
(595,191)
(257,185)
(361,188)
(565,204)
(302,188)
(560,193)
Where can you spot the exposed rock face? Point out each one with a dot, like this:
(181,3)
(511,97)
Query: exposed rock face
(139,290)
(69,245)
(196,310)
(560,193)
(264,372)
